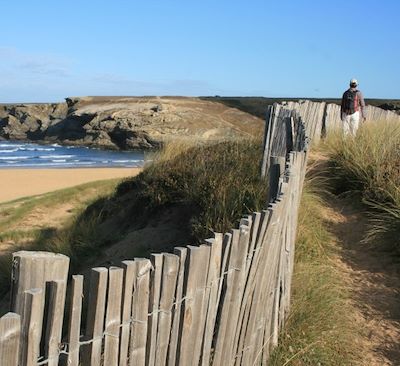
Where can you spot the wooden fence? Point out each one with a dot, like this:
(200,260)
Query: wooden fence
(323,118)
(219,303)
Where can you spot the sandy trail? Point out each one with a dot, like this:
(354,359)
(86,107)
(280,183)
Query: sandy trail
(373,277)
(18,183)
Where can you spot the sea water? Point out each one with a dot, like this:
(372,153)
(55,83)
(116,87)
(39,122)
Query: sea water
(30,155)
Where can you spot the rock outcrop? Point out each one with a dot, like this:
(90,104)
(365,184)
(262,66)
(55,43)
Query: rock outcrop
(125,122)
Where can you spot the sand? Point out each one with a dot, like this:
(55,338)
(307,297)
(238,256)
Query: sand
(18,183)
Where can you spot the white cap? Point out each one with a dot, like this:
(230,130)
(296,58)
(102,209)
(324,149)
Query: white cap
(353,81)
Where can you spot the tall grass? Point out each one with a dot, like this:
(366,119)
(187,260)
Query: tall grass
(369,165)
(219,182)
(319,329)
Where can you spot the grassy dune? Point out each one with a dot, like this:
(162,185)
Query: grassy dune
(368,166)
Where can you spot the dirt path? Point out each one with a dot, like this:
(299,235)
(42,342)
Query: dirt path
(373,278)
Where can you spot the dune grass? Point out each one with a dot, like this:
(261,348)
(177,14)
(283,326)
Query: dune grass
(219,181)
(369,166)
(319,329)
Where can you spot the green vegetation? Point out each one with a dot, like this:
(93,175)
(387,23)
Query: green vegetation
(369,166)
(319,329)
(218,182)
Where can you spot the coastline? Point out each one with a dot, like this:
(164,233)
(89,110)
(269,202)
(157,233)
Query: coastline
(23,182)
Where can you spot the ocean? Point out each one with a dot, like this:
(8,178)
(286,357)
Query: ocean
(30,155)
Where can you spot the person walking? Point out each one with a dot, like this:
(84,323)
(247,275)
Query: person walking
(352,109)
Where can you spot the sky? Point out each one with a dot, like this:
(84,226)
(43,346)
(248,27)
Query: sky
(50,50)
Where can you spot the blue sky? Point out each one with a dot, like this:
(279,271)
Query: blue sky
(53,49)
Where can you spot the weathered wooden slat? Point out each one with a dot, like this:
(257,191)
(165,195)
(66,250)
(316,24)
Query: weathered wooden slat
(196,278)
(238,286)
(95,316)
(253,223)
(214,270)
(270,117)
(168,289)
(277,166)
(10,333)
(55,319)
(129,278)
(31,321)
(140,310)
(155,293)
(202,295)
(221,344)
(113,316)
(226,252)
(176,321)
(75,316)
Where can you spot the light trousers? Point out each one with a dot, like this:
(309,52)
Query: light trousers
(351,123)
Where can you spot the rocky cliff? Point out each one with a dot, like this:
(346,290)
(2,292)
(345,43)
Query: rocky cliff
(125,122)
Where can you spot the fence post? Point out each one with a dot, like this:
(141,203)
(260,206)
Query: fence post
(10,332)
(33,270)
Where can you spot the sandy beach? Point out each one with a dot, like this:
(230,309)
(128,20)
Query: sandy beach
(18,183)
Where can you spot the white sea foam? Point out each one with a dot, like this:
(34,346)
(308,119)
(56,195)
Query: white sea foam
(11,145)
(8,151)
(14,157)
(56,156)
(37,149)
(127,161)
